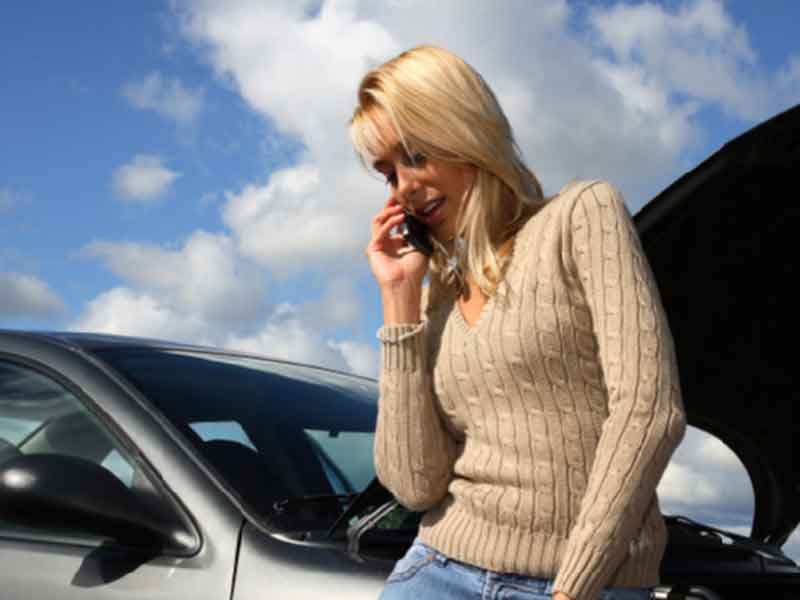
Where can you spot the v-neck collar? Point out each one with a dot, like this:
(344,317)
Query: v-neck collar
(460,320)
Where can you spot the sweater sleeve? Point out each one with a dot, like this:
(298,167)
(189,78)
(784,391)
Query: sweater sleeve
(414,453)
(645,419)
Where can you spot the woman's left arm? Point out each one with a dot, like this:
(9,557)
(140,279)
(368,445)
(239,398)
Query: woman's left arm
(646,420)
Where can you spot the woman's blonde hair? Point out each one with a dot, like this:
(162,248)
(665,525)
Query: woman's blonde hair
(440,106)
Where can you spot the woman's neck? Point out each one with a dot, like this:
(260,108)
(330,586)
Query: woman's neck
(502,250)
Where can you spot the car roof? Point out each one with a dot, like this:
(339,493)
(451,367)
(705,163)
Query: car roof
(94,342)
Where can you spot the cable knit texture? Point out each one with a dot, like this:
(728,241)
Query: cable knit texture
(535,438)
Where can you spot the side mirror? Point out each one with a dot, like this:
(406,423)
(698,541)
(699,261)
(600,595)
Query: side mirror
(68,494)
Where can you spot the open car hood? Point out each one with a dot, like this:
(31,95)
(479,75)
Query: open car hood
(723,244)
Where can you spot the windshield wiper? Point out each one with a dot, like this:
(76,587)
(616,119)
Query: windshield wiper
(372,495)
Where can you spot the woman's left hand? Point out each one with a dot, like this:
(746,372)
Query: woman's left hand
(562,596)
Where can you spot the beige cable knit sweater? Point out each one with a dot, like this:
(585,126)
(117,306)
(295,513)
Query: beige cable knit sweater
(535,439)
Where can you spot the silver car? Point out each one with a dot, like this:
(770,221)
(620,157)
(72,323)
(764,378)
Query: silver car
(134,469)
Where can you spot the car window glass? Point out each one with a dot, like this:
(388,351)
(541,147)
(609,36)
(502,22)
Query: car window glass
(270,431)
(792,546)
(16,429)
(222,430)
(707,482)
(346,457)
(119,466)
(40,416)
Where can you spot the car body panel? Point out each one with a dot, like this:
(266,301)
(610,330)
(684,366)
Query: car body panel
(269,567)
(66,567)
(70,572)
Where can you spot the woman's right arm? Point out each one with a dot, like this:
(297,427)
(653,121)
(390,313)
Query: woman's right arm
(413,451)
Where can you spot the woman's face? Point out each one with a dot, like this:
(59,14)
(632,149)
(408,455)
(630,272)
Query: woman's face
(431,189)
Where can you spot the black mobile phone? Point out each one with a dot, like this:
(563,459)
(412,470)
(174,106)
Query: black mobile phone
(416,233)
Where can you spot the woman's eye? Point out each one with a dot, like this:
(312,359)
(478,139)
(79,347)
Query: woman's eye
(417,159)
(391,179)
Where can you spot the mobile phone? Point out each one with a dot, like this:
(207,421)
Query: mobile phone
(416,233)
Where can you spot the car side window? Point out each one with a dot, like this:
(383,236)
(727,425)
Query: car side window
(40,416)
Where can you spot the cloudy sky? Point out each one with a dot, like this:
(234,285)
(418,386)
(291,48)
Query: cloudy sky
(182,170)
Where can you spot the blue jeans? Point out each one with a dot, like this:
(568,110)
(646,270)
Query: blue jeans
(426,574)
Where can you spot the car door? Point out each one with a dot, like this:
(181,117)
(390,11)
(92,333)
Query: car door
(43,412)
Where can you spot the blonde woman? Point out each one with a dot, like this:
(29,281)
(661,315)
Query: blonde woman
(529,395)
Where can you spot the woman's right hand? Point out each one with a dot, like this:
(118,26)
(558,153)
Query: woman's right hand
(393,261)
(398,267)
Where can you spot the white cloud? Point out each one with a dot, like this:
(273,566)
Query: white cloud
(280,335)
(696,50)
(126,311)
(706,481)
(315,213)
(681,485)
(204,277)
(293,222)
(204,293)
(27,296)
(579,112)
(284,336)
(143,180)
(167,97)
(300,70)
(338,306)
(361,358)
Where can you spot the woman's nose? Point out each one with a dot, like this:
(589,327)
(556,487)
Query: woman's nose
(407,187)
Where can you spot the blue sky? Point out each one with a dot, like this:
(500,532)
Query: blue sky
(68,125)
(182,169)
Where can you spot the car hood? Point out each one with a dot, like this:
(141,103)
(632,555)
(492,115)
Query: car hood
(722,244)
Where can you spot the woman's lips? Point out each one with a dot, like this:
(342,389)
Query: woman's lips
(431,211)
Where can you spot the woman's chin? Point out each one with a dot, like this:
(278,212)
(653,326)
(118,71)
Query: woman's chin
(442,230)
(439,234)
(446,241)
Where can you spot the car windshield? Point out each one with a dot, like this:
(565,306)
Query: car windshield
(273,431)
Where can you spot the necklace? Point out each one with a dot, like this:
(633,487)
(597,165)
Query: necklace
(454,260)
